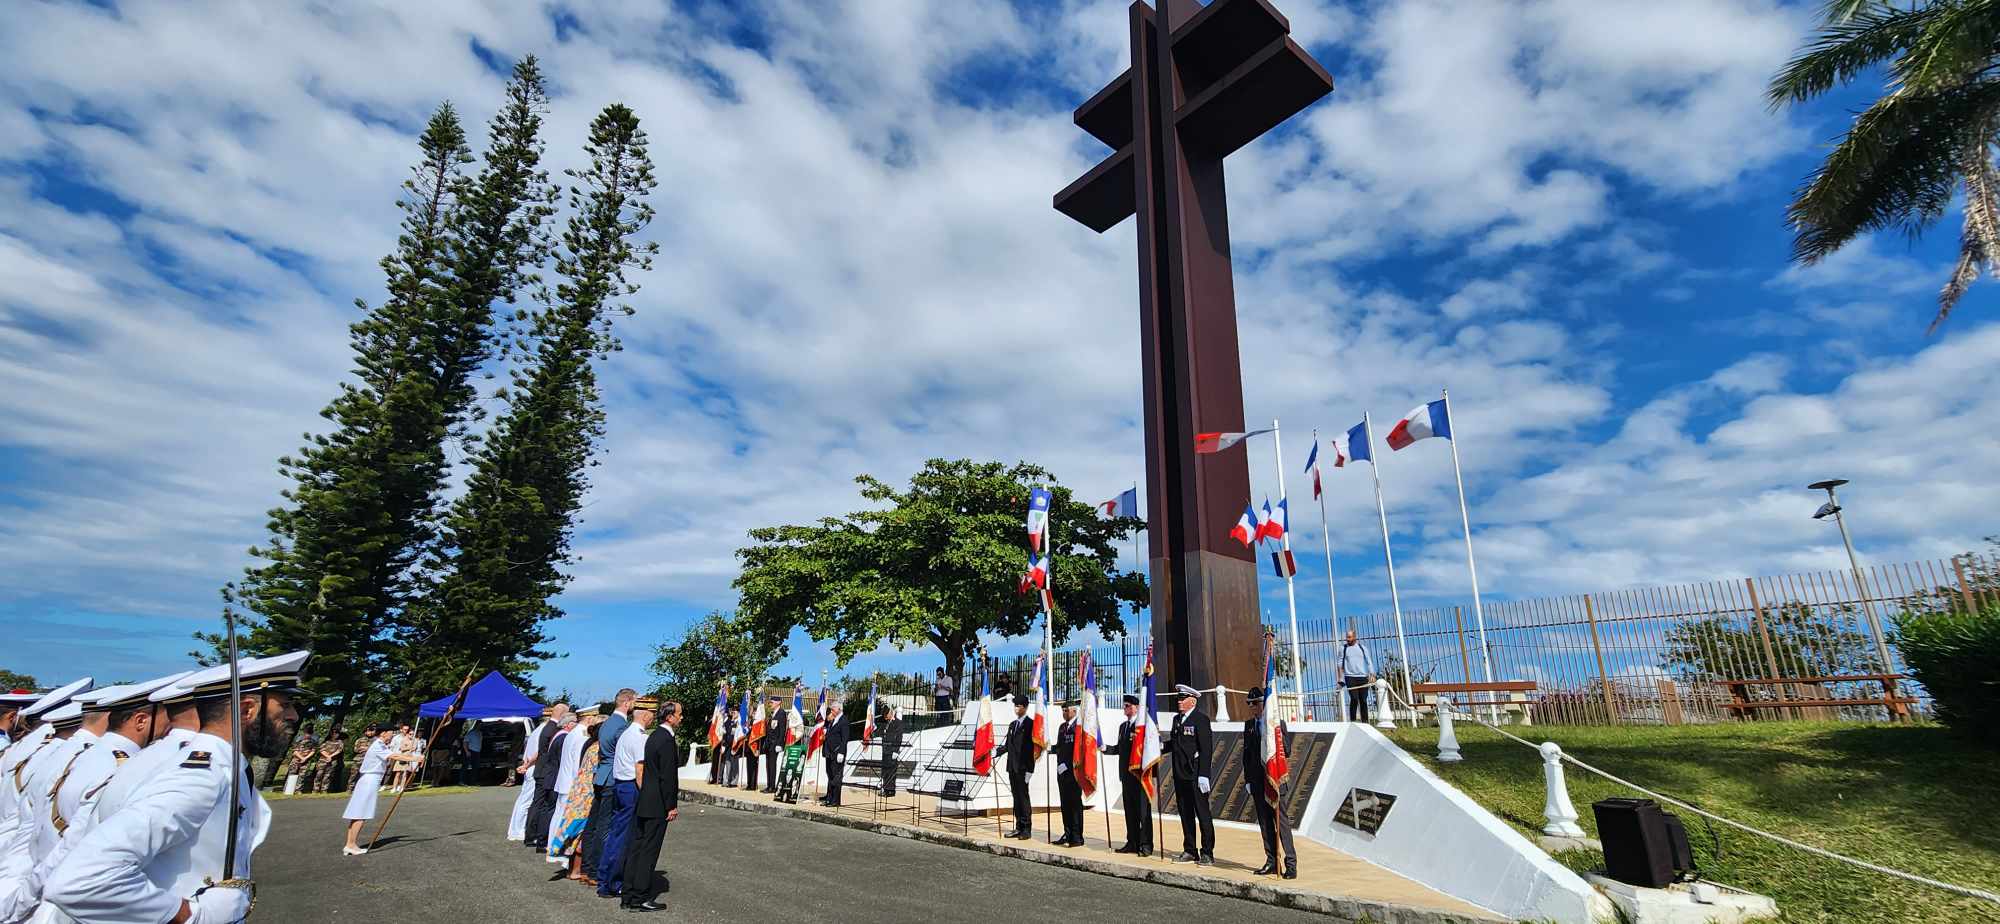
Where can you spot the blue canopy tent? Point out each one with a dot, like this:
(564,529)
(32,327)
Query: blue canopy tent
(491,698)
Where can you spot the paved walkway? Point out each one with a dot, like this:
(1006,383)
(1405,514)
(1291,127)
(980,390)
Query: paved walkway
(445,859)
(1330,882)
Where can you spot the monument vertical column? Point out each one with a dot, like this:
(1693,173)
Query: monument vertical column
(1204,81)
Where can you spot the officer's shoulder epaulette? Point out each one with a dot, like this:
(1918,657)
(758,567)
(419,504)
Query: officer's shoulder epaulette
(120,756)
(196,760)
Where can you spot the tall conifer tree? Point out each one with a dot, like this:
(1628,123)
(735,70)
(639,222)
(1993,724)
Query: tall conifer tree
(507,539)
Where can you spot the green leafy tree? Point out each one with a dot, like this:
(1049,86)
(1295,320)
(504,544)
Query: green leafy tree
(341,565)
(1928,137)
(711,650)
(1804,643)
(507,539)
(10,680)
(938,564)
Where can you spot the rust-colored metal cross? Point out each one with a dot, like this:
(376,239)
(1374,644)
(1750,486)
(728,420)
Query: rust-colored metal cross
(1210,82)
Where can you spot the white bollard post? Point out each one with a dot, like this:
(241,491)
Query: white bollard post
(1447,739)
(1387,704)
(1560,813)
(1221,703)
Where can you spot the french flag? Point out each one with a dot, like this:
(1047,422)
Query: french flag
(1040,684)
(1248,527)
(715,718)
(759,723)
(795,718)
(868,720)
(1084,756)
(819,725)
(1312,466)
(1124,505)
(1422,423)
(1276,764)
(1146,751)
(1207,443)
(743,720)
(1038,573)
(1354,447)
(982,728)
(1271,524)
(1038,517)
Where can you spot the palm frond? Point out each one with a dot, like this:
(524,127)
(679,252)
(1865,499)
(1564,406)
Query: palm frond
(1844,48)
(1956,43)
(1899,164)
(1979,241)
(1842,10)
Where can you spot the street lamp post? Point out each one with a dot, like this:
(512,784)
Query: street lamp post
(1832,508)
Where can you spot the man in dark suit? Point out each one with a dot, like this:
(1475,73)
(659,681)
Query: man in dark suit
(892,742)
(1270,818)
(1131,790)
(1190,744)
(1066,784)
(546,760)
(774,742)
(659,802)
(835,746)
(1019,749)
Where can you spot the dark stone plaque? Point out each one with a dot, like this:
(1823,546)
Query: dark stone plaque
(1364,809)
(1229,797)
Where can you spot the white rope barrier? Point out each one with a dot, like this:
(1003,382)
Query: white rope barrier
(1808,848)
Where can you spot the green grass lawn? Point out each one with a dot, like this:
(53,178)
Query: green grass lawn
(1913,798)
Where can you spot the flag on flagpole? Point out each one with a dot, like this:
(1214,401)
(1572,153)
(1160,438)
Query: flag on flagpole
(1039,684)
(715,718)
(759,723)
(1248,527)
(1145,753)
(795,718)
(1124,505)
(1421,423)
(868,721)
(1271,523)
(1312,467)
(1353,447)
(1038,516)
(743,720)
(982,729)
(1038,573)
(1206,443)
(1084,758)
(819,725)
(1276,764)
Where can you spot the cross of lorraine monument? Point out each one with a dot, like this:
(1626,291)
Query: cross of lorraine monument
(1209,82)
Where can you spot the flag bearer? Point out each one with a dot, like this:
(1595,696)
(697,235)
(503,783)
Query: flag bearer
(1270,818)
(1131,786)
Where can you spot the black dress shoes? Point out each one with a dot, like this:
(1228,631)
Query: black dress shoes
(645,906)
(1207,859)
(1145,851)
(1186,857)
(1128,848)
(1269,867)
(1291,867)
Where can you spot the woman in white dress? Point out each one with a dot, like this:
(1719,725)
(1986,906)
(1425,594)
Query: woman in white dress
(517,823)
(367,780)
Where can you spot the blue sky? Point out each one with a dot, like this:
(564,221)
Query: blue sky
(1570,213)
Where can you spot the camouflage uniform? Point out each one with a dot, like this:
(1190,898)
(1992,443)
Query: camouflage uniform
(329,765)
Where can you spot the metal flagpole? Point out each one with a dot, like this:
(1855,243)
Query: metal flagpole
(1389,559)
(1048,671)
(236,746)
(1291,598)
(1465,520)
(1326,532)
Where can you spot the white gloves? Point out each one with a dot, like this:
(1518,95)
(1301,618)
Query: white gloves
(218,905)
(1203,782)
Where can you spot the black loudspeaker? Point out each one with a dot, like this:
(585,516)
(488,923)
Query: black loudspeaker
(1638,849)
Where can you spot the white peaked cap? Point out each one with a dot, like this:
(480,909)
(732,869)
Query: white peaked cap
(56,697)
(104,699)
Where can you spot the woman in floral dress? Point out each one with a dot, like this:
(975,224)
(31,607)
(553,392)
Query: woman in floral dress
(568,839)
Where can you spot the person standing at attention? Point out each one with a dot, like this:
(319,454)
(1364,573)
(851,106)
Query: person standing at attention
(659,803)
(1271,821)
(629,752)
(892,743)
(1066,784)
(836,753)
(1355,670)
(1192,744)
(1132,789)
(1019,749)
(774,742)
(602,780)
(367,783)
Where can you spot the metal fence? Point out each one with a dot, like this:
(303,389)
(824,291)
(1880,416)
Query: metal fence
(1813,645)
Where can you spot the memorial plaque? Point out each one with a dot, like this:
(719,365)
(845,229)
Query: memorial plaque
(1364,809)
(1229,797)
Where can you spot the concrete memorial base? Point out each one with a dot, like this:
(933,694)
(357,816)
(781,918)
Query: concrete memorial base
(1696,903)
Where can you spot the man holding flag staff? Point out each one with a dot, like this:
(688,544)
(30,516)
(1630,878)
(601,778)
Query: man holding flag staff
(1192,744)
(775,740)
(1264,770)
(1066,781)
(1138,748)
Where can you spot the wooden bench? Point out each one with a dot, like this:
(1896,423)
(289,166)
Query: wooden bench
(1419,690)
(1741,703)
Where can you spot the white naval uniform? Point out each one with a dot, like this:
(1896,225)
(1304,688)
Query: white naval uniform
(18,890)
(165,751)
(13,776)
(367,782)
(73,800)
(162,846)
(517,823)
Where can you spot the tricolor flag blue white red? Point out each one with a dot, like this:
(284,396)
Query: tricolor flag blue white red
(868,719)
(1276,764)
(1421,423)
(715,718)
(1038,516)
(1248,527)
(759,723)
(1271,523)
(743,720)
(1124,505)
(1356,446)
(982,728)
(1206,443)
(1039,683)
(1145,754)
(1084,757)
(819,725)
(1038,573)
(1312,464)
(795,718)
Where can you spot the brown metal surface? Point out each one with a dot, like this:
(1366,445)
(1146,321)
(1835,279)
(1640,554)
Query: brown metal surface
(1223,74)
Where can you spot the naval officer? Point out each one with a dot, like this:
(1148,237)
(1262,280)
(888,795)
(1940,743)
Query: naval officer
(161,857)
(1191,744)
